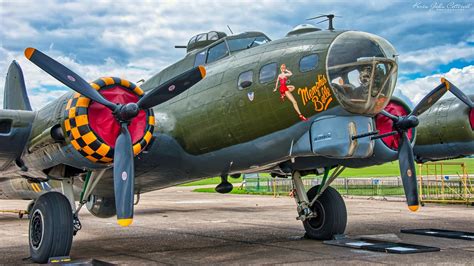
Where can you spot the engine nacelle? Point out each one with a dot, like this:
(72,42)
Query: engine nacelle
(101,207)
(446,130)
(92,129)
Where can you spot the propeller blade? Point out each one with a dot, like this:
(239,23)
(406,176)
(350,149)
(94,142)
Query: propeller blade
(389,115)
(408,172)
(124,177)
(429,100)
(66,76)
(172,87)
(457,92)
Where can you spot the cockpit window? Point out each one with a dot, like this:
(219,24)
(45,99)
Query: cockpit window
(212,36)
(201,37)
(361,72)
(200,58)
(217,52)
(192,40)
(246,43)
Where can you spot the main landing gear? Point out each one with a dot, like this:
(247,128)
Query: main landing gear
(54,219)
(51,227)
(322,209)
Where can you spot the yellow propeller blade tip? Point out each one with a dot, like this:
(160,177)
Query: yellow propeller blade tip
(29,52)
(446,83)
(202,70)
(414,208)
(125,222)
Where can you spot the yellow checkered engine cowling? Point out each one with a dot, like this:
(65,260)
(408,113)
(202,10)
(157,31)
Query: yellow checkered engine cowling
(84,139)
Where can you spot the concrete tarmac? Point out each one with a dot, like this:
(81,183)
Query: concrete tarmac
(177,226)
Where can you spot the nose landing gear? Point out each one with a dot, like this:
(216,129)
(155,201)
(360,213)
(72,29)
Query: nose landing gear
(329,215)
(322,210)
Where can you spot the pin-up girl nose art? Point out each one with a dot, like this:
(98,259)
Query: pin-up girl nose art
(286,90)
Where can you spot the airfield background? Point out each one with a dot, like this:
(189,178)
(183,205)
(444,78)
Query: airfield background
(440,182)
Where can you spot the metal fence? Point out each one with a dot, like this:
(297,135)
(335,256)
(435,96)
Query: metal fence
(450,190)
(435,186)
(345,186)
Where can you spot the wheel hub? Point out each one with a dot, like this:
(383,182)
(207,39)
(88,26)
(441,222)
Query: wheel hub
(317,221)
(36,229)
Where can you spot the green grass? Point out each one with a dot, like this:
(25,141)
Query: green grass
(234,191)
(212,181)
(392,191)
(392,169)
(388,169)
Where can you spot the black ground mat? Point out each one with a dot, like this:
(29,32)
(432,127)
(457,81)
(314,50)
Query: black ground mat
(441,233)
(66,261)
(380,246)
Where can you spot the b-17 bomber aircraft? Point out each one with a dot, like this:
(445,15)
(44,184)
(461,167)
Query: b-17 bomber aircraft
(314,102)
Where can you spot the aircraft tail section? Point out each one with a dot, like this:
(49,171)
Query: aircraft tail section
(15,95)
(17,118)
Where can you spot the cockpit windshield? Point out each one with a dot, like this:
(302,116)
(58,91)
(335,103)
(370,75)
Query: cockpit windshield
(362,69)
(246,43)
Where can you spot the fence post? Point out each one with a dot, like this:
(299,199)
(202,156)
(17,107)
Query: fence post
(372,181)
(346,186)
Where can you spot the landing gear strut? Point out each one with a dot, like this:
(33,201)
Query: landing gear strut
(322,209)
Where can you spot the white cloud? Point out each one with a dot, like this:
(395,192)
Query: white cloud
(416,89)
(439,55)
(37,80)
(127,39)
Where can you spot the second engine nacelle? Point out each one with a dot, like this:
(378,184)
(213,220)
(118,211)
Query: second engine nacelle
(446,130)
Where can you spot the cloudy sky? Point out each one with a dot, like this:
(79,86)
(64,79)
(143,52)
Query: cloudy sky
(135,39)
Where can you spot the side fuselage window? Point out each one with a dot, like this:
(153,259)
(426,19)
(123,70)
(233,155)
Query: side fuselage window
(309,62)
(200,58)
(217,52)
(268,73)
(245,80)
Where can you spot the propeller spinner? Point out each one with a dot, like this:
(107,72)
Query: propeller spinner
(123,113)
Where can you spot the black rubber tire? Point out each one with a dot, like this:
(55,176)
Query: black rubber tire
(331,215)
(52,213)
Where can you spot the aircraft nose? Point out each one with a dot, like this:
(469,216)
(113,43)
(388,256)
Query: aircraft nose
(362,70)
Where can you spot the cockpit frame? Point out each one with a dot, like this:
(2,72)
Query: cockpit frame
(202,56)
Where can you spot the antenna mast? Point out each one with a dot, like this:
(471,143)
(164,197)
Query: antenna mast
(329,17)
(231,32)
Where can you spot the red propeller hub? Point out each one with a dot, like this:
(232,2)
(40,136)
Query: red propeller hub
(103,122)
(92,128)
(386,125)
